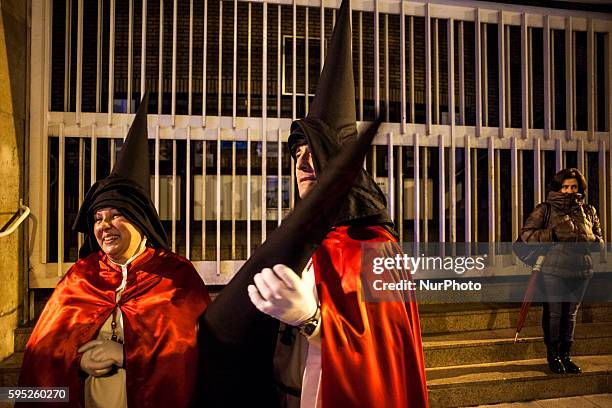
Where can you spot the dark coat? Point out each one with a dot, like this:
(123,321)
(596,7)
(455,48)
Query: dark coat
(571,221)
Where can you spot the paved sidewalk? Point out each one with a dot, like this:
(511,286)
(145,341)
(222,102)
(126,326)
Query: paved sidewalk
(585,401)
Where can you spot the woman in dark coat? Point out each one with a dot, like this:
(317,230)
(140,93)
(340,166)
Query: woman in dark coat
(567,268)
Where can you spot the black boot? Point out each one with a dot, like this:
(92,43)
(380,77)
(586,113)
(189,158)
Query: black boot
(552,356)
(564,355)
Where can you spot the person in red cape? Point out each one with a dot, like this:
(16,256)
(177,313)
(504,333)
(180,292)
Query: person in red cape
(121,326)
(360,354)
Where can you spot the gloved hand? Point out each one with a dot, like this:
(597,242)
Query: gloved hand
(282,294)
(98,353)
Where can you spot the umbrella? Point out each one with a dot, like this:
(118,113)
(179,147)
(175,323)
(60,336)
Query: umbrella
(529,292)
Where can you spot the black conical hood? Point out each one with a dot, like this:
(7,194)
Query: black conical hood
(334,101)
(236,340)
(133,159)
(127,189)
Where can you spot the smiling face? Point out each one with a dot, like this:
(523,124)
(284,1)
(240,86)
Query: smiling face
(117,237)
(304,170)
(569,186)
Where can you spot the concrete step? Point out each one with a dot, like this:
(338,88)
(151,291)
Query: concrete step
(511,381)
(463,317)
(9,370)
(488,346)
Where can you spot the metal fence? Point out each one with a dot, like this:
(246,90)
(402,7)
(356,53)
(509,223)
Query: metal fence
(222,177)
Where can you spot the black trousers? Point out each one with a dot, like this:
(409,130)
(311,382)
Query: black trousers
(564,296)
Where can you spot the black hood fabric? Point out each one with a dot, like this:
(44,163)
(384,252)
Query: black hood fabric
(331,124)
(127,189)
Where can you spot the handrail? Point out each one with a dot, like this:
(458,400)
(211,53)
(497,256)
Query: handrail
(6,231)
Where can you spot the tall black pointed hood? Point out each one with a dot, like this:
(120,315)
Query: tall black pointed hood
(127,188)
(331,122)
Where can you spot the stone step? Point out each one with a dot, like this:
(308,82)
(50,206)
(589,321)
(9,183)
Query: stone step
(463,317)
(511,381)
(488,346)
(9,370)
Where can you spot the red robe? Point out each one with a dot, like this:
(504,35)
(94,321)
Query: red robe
(161,304)
(371,352)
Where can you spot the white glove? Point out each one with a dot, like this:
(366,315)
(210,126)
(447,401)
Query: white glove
(282,294)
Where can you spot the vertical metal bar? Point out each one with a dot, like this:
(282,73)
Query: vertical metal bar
(218,202)
(94,155)
(426,194)
(157,157)
(411,39)
(530,77)
(204,79)
(461,75)
(233,199)
(220,62)
(279,175)
(451,117)
(580,153)
(478,79)
(360,63)
(436,75)
(203,206)
(306,47)
(143,49)
(390,181)
(607,77)
(569,79)
(160,71)
(60,199)
(113,152)
(99,56)
(190,72)
(497,184)
(249,178)
(130,56)
(188,185)
(520,187)
(322,25)
(81,179)
(485,76)
(400,191)
(248,107)
(264,63)
(508,77)
(264,184)
(111,63)
(416,197)
(234,63)
(428,101)
(173,192)
(525,64)
(279,70)
(174,33)
(79,62)
(441,189)
(491,185)
(501,73)
(67,54)
(547,90)
(387,98)
(591,81)
(602,190)
(467,180)
(293,63)
(474,176)
(553,107)
(558,155)
(402,88)
(376,59)
(537,174)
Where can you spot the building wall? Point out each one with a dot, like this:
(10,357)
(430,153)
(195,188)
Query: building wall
(13,80)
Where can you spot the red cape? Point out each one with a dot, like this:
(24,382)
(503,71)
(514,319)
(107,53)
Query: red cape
(372,353)
(161,303)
